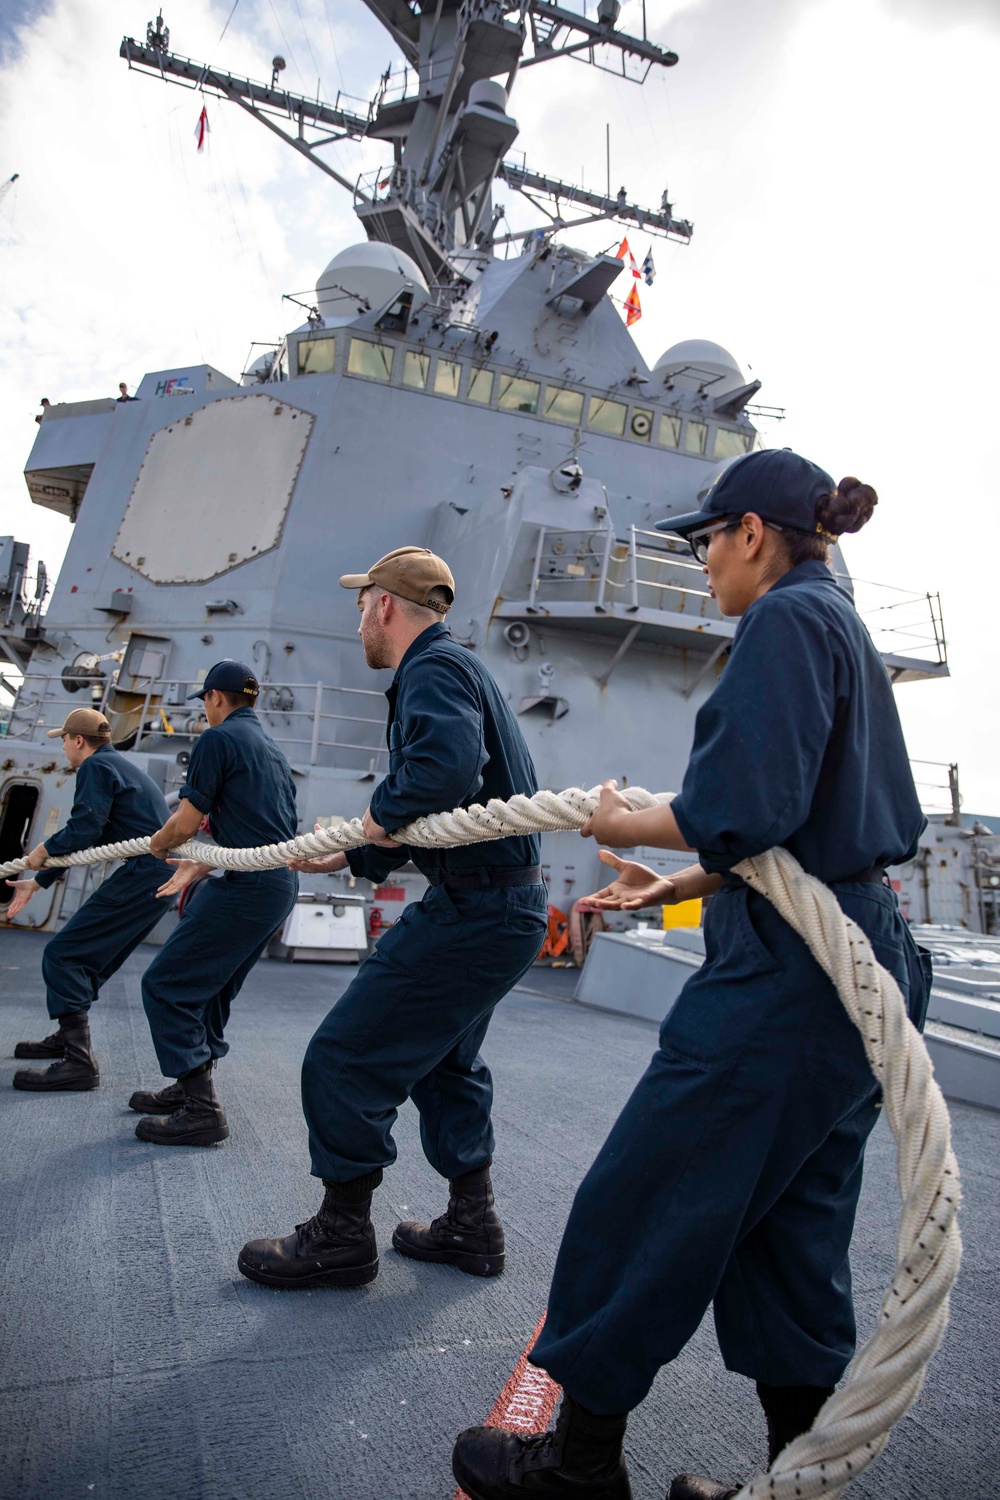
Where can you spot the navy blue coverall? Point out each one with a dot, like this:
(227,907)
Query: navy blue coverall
(732,1174)
(239,777)
(412,1022)
(113,800)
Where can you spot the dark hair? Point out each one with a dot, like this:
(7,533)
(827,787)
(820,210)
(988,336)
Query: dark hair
(95,741)
(847,508)
(238,700)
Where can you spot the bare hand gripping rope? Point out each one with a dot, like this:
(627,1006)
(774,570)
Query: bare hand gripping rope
(885,1378)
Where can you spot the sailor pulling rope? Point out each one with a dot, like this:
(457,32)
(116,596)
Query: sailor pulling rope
(888,1371)
(732,1175)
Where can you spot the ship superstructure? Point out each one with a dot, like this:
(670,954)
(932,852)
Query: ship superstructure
(447,389)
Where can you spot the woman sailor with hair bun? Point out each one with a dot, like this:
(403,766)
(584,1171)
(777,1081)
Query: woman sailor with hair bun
(732,1175)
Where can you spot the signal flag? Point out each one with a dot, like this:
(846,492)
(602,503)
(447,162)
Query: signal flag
(633,309)
(202,128)
(623,251)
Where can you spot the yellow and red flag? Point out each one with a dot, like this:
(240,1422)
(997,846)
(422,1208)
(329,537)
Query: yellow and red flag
(633,309)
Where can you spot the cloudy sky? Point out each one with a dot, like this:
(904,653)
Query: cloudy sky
(837,158)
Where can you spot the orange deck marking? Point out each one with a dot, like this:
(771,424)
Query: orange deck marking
(526,1402)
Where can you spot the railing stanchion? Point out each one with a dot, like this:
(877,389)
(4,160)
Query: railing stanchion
(609,541)
(533,591)
(633,570)
(317,715)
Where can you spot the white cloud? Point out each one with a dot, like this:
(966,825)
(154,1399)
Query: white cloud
(831,156)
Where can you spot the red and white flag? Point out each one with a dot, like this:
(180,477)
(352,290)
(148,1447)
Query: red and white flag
(633,309)
(625,253)
(202,128)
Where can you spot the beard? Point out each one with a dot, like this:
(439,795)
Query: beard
(376,647)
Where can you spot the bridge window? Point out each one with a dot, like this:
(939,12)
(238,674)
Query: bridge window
(316,356)
(416,368)
(564,405)
(447,377)
(695,438)
(607,416)
(518,395)
(481,387)
(374,361)
(730,444)
(669,434)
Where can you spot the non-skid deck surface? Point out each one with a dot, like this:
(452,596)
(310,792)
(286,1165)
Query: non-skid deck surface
(138,1363)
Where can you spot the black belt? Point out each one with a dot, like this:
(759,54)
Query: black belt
(875,876)
(477,880)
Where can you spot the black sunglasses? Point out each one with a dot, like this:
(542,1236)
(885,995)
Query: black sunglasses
(698,540)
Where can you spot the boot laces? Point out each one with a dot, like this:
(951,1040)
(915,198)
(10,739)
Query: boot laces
(308,1230)
(536,1453)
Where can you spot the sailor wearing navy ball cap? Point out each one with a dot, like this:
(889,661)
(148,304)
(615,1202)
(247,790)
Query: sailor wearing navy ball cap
(240,780)
(731,1177)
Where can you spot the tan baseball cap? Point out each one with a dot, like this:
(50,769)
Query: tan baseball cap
(410,572)
(84,721)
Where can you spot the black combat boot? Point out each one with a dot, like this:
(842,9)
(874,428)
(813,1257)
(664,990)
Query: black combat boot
(790,1411)
(200,1121)
(581,1459)
(50,1046)
(77,1069)
(336,1247)
(158,1101)
(468,1234)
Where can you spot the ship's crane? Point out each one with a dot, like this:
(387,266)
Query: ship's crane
(444,114)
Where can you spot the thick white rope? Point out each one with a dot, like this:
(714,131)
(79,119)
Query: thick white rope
(545,812)
(887,1373)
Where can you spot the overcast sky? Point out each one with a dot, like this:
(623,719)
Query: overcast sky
(837,157)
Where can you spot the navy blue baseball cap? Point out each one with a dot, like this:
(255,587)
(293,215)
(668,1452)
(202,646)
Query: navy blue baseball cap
(229,677)
(777,485)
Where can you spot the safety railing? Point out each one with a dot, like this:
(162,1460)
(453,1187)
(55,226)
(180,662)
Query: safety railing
(308,720)
(652,577)
(644,571)
(901,622)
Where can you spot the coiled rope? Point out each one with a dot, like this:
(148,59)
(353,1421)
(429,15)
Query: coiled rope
(887,1373)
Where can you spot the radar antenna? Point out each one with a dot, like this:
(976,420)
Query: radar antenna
(444,113)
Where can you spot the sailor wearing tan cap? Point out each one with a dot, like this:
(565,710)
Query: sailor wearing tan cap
(412,1022)
(113,800)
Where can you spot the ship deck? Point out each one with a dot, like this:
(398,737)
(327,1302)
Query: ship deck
(138,1362)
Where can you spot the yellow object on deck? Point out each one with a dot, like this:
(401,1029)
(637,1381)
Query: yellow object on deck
(682,914)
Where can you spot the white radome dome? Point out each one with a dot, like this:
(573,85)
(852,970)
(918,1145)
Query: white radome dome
(696,363)
(373,272)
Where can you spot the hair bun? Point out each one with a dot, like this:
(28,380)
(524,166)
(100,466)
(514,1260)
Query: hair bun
(848,507)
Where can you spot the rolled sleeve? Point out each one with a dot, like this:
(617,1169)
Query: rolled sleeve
(443,753)
(206,772)
(760,739)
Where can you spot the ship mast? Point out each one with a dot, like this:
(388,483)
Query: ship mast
(445,116)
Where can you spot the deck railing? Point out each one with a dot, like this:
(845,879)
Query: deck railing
(309,717)
(653,577)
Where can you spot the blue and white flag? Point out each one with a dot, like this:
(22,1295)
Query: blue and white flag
(648,269)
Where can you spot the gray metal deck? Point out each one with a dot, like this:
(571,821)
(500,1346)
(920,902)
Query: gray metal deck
(136,1361)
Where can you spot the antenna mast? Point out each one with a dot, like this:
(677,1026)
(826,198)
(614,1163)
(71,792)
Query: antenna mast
(445,115)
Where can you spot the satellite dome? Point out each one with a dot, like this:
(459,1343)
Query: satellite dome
(698,364)
(372,273)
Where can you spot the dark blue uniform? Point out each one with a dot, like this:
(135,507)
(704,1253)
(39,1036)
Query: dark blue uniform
(242,781)
(732,1175)
(114,800)
(412,1022)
